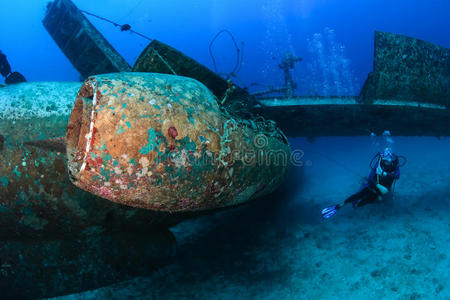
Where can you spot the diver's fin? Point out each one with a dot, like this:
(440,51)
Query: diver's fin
(329,211)
(56,144)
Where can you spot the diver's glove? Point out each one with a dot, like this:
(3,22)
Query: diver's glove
(383,190)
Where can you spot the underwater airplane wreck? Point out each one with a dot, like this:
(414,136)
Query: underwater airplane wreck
(88,167)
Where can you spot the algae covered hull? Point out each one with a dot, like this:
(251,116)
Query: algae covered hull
(408,69)
(162,142)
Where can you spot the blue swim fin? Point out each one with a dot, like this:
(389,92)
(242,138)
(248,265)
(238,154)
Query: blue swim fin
(330,211)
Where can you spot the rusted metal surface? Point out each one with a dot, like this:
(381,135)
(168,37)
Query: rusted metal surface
(162,142)
(86,48)
(158,57)
(55,144)
(41,268)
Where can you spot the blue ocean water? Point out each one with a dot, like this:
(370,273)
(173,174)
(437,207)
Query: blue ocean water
(278,247)
(269,30)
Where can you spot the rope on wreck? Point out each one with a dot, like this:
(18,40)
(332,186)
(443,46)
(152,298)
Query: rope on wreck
(239,54)
(124,27)
(127,27)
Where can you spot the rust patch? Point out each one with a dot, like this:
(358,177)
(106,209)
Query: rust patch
(86,91)
(99,95)
(172,132)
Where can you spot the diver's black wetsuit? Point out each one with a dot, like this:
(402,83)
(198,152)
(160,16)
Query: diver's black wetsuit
(370,193)
(365,196)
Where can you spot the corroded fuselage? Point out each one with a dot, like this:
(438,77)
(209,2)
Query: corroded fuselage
(163,142)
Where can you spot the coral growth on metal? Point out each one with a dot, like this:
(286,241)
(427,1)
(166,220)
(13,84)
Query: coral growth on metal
(162,142)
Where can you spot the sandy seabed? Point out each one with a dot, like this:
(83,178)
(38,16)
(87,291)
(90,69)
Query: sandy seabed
(374,253)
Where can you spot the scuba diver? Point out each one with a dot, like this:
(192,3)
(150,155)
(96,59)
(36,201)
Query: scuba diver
(5,70)
(382,176)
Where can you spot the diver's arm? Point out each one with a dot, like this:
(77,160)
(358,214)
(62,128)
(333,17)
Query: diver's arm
(391,177)
(383,190)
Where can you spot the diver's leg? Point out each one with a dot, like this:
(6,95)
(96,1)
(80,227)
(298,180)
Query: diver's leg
(369,197)
(356,196)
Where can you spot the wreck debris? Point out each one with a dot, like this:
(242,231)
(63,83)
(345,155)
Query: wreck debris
(409,88)
(408,69)
(306,116)
(286,65)
(91,54)
(88,51)
(158,57)
(288,89)
(162,142)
